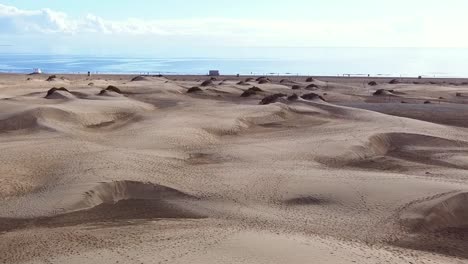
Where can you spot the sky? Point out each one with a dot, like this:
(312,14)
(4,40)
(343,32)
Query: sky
(196,28)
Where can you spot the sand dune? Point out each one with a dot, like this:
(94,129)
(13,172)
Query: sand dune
(242,170)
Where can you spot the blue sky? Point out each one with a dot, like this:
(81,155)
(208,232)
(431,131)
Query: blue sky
(190,28)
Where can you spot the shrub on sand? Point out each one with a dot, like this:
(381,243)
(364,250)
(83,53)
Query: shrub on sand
(373,83)
(51,78)
(248,93)
(310,79)
(312,87)
(293,97)
(312,96)
(54,89)
(380,92)
(194,90)
(296,87)
(271,98)
(206,83)
(255,89)
(113,89)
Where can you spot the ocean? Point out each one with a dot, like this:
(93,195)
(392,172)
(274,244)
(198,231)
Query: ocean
(436,62)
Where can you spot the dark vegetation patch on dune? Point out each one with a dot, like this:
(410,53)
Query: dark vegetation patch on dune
(248,93)
(372,83)
(255,89)
(272,98)
(310,79)
(138,79)
(144,77)
(251,91)
(263,80)
(207,83)
(381,92)
(293,97)
(111,88)
(312,96)
(296,87)
(51,78)
(54,89)
(194,90)
(312,87)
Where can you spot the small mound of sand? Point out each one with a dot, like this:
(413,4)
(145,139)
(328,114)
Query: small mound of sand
(373,83)
(310,79)
(140,78)
(272,98)
(206,83)
(249,79)
(427,102)
(90,84)
(293,97)
(194,90)
(242,83)
(256,89)
(51,78)
(113,89)
(296,87)
(248,93)
(312,87)
(59,93)
(52,90)
(394,81)
(263,80)
(381,92)
(312,96)
(251,91)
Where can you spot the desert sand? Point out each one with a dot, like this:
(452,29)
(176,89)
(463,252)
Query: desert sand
(150,169)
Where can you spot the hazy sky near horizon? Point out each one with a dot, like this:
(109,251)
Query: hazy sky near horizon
(191,28)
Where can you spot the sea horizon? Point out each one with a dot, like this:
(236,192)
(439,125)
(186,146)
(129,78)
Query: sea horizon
(376,62)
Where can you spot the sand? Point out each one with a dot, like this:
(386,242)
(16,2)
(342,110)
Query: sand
(156,174)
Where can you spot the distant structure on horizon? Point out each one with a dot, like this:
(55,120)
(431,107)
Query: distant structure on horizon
(213,73)
(37,71)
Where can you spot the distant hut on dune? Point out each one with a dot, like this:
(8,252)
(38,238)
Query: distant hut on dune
(213,73)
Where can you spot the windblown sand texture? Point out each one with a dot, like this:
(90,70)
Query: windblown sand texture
(187,169)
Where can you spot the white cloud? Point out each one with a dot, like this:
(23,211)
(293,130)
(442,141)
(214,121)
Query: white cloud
(385,31)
